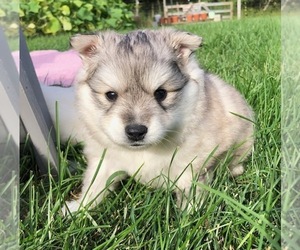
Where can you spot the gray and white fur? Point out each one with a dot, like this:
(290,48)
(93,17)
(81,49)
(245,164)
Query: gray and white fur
(141,96)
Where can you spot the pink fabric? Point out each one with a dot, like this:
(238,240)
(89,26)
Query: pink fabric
(54,67)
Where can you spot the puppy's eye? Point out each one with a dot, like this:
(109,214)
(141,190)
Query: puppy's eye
(111,96)
(160,95)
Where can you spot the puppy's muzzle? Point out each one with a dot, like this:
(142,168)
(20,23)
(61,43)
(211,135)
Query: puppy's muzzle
(136,132)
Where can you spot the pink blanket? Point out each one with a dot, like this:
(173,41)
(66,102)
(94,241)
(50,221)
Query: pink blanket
(54,67)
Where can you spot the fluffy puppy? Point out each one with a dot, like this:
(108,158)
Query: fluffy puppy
(141,96)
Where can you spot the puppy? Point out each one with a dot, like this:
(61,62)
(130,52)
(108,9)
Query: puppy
(142,96)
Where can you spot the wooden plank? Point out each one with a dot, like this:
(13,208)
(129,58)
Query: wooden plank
(165,9)
(231,8)
(179,6)
(9,91)
(9,147)
(239,7)
(221,11)
(35,115)
(218,4)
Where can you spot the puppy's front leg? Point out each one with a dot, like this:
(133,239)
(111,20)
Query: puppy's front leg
(96,183)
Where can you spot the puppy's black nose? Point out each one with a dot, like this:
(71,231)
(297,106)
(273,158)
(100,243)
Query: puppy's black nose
(136,132)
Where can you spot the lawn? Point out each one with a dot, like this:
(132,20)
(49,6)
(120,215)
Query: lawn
(243,213)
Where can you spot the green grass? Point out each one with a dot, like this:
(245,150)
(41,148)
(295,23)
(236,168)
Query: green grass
(59,42)
(243,213)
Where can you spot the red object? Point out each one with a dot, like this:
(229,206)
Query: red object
(189,17)
(164,20)
(196,17)
(203,16)
(174,19)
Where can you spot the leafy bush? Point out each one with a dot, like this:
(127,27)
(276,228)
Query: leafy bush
(54,16)
(9,19)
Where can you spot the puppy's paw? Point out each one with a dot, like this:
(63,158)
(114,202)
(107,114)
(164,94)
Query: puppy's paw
(237,170)
(70,206)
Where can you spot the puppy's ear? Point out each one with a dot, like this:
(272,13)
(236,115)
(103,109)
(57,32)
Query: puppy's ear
(86,45)
(182,42)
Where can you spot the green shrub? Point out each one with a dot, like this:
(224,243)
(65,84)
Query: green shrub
(9,20)
(54,16)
